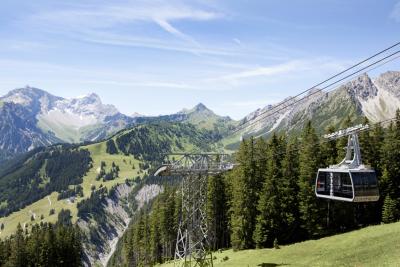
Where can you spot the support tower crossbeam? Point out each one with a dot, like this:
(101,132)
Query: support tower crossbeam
(192,245)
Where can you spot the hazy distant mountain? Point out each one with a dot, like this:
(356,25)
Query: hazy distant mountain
(70,120)
(32,117)
(377,99)
(200,116)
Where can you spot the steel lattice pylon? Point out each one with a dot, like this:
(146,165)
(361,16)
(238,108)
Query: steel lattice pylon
(192,245)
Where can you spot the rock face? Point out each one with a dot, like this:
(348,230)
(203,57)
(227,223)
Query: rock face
(375,99)
(107,232)
(31,117)
(117,215)
(19,131)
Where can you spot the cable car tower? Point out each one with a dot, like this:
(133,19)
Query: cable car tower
(349,180)
(192,244)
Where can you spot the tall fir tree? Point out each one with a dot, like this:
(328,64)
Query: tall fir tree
(269,219)
(18,257)
(391,175)
(330,150)
(244,197)
(217,212)
(289,200)
(312,210)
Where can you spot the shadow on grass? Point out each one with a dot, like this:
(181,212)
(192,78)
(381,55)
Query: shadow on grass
(271,264)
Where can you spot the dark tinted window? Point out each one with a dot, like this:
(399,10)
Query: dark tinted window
(365,183)
(323,183)
(342,185)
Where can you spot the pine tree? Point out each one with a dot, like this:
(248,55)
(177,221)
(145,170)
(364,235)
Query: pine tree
(111,147)
(244,197)
(377,141)
(269,220)
(391,176)
(155,232)
(217,212)
(365,140)
(390,210)
(290,189)
(310,207)
(342,142)
(330,150)
(18,249)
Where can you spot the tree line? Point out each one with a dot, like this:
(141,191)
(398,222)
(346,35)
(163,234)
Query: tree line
(269,199)
(45,245)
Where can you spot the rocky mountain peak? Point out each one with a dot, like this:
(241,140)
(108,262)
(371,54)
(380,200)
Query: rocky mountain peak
(362,87)
(390,81)
(200,107)
(33,98)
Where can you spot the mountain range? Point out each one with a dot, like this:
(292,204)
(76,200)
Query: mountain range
(374,98)
(31,117)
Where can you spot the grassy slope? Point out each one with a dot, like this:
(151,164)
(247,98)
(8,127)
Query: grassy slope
(98,154)
(371,246)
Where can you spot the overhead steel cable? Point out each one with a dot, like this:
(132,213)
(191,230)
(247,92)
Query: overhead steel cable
(250,122)
(319,90)
(325,140)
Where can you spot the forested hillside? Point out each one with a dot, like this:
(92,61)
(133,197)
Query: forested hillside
(93,181)
(268,198)
(45,245)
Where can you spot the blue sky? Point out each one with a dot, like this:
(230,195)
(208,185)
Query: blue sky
(157,57)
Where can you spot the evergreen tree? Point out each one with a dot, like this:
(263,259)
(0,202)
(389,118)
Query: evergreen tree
(217,212)
(365,140)
(168,222)
(342,142)
(244,197)
(376,146)
(310,207)
(290,189)
(390,210)
(155,233)
(391,176)
(111,147)
(269,220)
(330,150)
(64,217)
(18,253)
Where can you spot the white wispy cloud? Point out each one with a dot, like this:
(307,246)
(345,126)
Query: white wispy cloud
(283,69)
(265,71)
(395,14)
(84,21)
(107,38)
(109,15)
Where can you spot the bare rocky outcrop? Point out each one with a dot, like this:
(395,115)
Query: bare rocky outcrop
(101,237)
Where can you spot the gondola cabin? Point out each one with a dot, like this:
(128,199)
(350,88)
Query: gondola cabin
(349,180)
(351,185)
